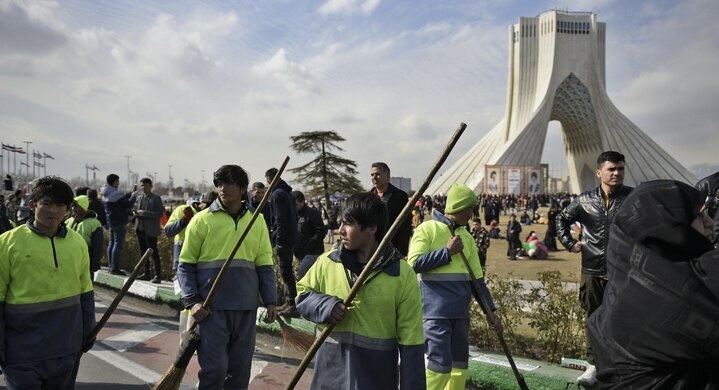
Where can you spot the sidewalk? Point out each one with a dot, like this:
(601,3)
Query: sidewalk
(485,367)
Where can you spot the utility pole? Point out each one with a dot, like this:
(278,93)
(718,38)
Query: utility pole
(27,160)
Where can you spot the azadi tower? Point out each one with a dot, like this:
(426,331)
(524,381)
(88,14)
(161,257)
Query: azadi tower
(557,72)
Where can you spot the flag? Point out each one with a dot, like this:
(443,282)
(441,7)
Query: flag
(39,164)
(18,150)
(36,154)
(7,147)
(95,168)
(48,156)
(24,163)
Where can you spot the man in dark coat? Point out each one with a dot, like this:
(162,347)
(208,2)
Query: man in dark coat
(283,235)
(659,325)
(311,231)
(395,200)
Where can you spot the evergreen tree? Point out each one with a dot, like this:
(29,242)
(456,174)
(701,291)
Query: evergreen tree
(327,173)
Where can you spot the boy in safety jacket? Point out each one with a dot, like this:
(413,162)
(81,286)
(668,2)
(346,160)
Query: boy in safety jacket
(227,332)
(85,222)
(47,307)
(175,228)
(385,320)
(434,253)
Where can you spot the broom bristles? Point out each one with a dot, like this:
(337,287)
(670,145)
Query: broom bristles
(297,339)
(172,380)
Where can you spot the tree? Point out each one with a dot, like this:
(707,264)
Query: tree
(327,173)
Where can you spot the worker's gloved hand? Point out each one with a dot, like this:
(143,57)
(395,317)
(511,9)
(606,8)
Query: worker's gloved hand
(199,312)
(339,312)
(187,214)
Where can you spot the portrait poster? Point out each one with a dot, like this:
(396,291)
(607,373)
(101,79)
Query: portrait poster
(514,180)
(534,180)
(493,179)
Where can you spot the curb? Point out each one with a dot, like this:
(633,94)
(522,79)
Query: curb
(163,293)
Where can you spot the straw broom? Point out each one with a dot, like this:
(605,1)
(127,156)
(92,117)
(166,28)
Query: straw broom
(299,340)
(482,300)
(380,248)
(126,286)
(172,379)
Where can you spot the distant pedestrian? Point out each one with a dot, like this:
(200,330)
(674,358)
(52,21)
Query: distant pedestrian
(117,210)
(148,211)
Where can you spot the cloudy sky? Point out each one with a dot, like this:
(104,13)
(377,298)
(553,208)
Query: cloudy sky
(198,84)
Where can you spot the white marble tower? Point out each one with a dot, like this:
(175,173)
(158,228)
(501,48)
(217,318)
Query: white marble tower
(557,72)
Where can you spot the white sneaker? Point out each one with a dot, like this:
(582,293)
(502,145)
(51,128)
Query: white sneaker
(589,378)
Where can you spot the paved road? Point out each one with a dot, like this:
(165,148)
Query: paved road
(139,343)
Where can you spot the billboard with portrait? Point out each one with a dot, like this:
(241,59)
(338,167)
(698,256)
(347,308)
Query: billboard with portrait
(534,180)
(493,179)
(514,180)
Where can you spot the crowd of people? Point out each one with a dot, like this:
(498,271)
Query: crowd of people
(411,316)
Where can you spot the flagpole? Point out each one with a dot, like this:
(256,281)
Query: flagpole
(27,159)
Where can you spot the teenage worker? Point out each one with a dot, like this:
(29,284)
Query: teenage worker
(47,307)
(385,321)
(595,210)
(227,332)
(85,222)
(175,229)
(434,253)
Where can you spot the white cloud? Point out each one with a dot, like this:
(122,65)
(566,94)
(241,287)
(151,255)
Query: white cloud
(348,7)
(293,76)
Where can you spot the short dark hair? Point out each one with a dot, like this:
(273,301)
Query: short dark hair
(367,210)
(92,193)
(298,196)
(533,174)
(146,180)
(54,188)
(111,178)
(611,156)
(382,166)
(258,184)
(271,173)
(231,174)
(81,191)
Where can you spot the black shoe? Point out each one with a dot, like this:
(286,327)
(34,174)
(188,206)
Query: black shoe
(156,280)
(144,277)
(118,272)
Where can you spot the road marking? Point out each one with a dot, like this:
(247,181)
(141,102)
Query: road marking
(129,338)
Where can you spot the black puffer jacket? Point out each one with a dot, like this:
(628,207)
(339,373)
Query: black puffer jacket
(658,327)
(590,210)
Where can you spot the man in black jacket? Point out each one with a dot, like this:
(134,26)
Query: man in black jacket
(311,231)
(283,235)
(395,200)
(595,210)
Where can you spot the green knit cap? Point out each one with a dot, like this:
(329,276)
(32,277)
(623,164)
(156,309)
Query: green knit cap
(459,197)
